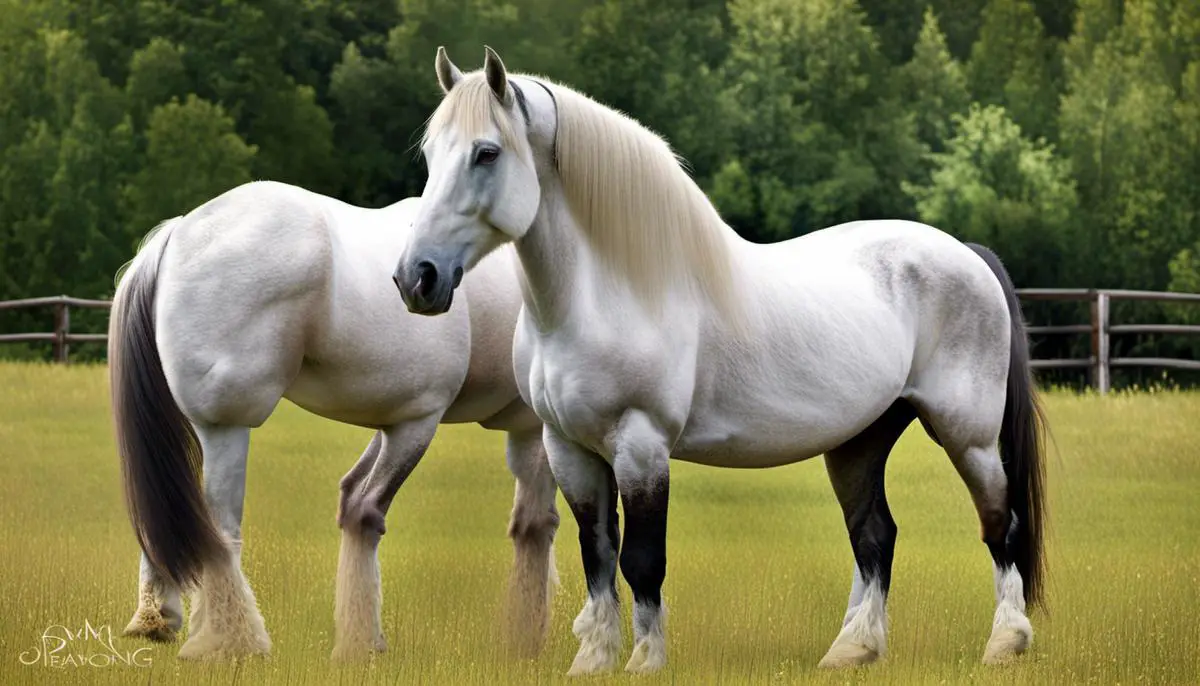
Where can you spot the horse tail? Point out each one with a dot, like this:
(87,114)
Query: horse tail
(160,454)
(1021,447)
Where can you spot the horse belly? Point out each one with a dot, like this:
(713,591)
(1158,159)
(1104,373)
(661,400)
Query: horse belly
(803,386)
(372,366)
(770,438)
(363,399)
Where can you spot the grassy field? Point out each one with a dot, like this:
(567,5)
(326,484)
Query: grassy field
(759,564)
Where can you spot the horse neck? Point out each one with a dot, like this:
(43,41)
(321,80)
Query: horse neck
(551,253)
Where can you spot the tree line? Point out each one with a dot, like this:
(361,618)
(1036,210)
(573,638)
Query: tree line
(1065,134)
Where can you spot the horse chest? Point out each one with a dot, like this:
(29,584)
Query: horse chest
(582,387)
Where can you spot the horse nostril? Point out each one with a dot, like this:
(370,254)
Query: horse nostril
(427,277)
(458,274)
(396,280)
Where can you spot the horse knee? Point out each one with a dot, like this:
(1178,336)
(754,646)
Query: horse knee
(533,521)
(361,514)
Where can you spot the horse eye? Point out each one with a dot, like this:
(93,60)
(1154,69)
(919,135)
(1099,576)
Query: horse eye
(486,155)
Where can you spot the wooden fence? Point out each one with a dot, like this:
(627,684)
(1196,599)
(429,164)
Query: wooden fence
(61,337)
(1099,363)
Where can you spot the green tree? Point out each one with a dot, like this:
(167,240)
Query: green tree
(818,127)
(996,187)
(1058,16)
(156,74)
(61,169)
(373,111)
(896,23)
(657,60)
(1185,278)
(192,155)
(1015,65)
(935,84)
(1130,138)
(960,20)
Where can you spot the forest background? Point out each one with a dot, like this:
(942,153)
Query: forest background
(1065,134)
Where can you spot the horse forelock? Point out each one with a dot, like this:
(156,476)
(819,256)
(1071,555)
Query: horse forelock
(472,109)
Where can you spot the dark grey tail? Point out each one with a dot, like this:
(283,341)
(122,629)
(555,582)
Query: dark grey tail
(160,453)
(1021,447)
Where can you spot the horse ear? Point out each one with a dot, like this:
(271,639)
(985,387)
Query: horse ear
(497,78)
(447,73)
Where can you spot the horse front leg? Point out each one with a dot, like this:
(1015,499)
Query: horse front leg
(532,527)
(590,489)
(366,494)
(641,464)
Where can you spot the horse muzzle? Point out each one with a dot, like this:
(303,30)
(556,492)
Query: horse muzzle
(426,288)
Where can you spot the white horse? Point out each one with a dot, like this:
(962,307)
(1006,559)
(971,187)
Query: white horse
(269,291)
(652,331)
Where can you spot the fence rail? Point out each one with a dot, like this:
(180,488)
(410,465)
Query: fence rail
(61,337)
(1099,363)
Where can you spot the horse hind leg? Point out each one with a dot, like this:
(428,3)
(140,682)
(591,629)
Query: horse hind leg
(532,527)
(856,470)
(974,431)
(159,614)
(225,621)
(367,493)
(983,472)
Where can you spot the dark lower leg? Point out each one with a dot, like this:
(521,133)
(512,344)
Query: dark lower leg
(590,489)
(856,471)
(644,565)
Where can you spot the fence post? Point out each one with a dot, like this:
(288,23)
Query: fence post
(62,327)
(1100,355)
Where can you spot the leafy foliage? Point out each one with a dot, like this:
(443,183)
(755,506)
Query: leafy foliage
(996,187)
(1065,134)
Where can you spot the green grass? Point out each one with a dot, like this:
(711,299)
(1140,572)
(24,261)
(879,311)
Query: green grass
(759,566)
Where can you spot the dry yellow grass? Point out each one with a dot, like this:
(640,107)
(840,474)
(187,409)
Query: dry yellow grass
(759,566)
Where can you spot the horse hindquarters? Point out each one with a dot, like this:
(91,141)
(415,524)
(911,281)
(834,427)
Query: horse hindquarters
(160,453)
(230,343)
(1016,539)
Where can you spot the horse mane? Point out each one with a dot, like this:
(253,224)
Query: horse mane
(641,213)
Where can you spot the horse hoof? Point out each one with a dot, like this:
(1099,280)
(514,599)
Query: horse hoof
(356,652)
(591,660)
(150,625)
(1005,645)
(646,658)
(842,655)
(220,649)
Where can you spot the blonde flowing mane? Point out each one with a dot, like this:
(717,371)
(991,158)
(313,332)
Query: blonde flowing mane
(642,214)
